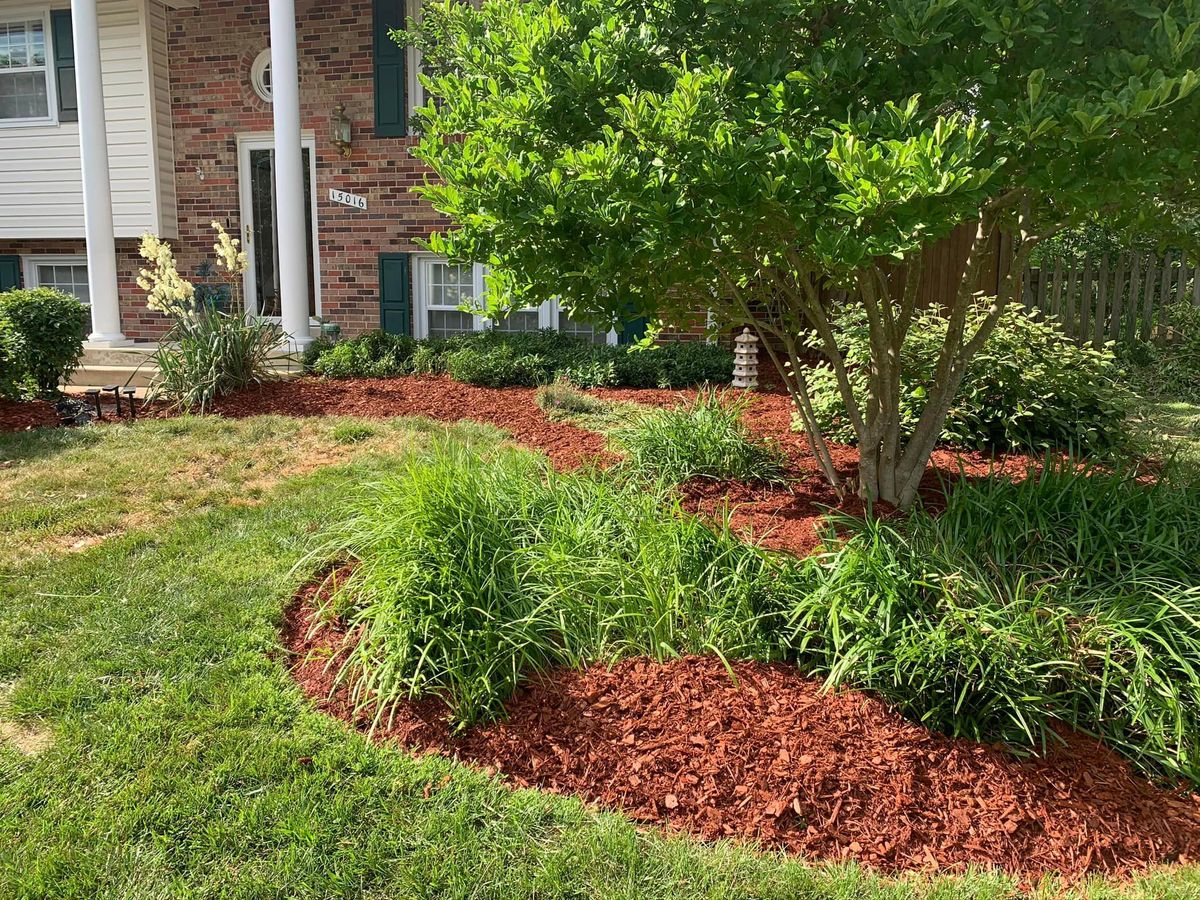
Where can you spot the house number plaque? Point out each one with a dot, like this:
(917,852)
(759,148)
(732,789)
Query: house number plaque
(347,199)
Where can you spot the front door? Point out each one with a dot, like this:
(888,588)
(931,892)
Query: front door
(256,177)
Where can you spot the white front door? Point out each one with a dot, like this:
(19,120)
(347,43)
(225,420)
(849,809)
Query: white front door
(256,188)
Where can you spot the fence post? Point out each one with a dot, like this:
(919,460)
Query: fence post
(1101,304)
(1148,297)
(1118,299)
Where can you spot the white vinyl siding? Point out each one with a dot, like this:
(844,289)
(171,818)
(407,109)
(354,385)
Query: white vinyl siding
(41,189)
(163,138)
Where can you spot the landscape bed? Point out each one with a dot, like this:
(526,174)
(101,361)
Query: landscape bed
(781,516)
(757,751)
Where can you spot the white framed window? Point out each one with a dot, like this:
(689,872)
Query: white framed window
(68,274)
(416,64)
(440,288)
(260,75)
(26,73)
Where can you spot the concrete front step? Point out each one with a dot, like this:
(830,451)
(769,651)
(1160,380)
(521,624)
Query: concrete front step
(133,366)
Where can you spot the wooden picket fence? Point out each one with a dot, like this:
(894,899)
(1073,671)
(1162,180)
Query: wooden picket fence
(1114,297)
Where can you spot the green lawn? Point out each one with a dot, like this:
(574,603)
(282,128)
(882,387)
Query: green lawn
(152,744)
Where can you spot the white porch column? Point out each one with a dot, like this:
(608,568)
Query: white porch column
(97,193)
(290,220)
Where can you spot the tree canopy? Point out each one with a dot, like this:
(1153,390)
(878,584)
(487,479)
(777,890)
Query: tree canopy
(648,157)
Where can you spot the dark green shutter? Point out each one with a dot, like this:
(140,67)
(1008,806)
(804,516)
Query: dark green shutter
(633,331)
(10,273)
(394,294)
(390,118)
(64,64)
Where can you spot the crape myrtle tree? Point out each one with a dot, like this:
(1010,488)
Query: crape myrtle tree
(778,161)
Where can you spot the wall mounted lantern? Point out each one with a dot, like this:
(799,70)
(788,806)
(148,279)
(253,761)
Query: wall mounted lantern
(339,124)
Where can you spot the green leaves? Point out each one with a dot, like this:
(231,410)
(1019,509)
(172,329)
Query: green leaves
(617,153)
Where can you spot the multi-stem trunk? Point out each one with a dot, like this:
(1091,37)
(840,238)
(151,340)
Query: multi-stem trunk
(891,463)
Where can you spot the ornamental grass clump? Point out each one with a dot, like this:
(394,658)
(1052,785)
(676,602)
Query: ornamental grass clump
(1070,596)
(707,439)
(471,574)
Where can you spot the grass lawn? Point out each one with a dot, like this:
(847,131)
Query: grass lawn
(1170,428)
(153,745)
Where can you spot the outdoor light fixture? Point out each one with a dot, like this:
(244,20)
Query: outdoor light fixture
(339,124)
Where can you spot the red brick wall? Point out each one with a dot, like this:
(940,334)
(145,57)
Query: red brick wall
(136,319)
(211,50)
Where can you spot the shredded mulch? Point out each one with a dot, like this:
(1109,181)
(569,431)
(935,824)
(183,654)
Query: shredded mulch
(787,517)
(16,416)
(765,755)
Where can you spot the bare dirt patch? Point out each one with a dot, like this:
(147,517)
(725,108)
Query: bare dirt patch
(766,755)
(26,739)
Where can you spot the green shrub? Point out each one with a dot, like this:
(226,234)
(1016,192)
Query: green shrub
(498,366)
(1073,595)
(561,397)
(527,359)
(209,354)
(472,574)
(313,353)
(375,354)
(52,326)
(706,439)
(1029,387)
(16,379)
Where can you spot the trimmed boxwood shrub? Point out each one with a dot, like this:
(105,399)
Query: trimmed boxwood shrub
(528,359)
(375,354)
(1030,386)
(16,382)
(51,326)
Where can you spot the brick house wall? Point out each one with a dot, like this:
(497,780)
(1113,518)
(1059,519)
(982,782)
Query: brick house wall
(212,49)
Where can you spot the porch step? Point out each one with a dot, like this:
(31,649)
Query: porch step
(101,375)
(133,366)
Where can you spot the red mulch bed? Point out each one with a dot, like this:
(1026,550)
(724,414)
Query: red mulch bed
(781,517)
(773,759)
(22,416)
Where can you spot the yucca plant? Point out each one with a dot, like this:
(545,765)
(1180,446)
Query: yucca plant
(209,354)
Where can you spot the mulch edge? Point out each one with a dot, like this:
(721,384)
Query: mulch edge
(421,728)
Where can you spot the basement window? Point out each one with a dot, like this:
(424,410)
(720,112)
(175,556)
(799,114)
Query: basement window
(68,274)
